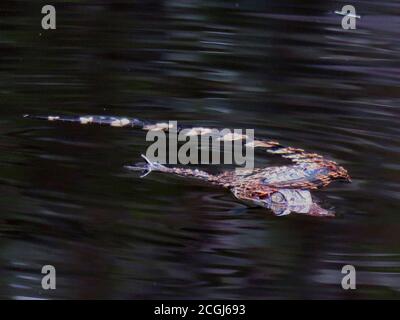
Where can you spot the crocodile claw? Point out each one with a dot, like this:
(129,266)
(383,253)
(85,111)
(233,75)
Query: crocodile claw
(147,167)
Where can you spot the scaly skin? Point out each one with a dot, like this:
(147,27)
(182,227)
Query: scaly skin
(282,189)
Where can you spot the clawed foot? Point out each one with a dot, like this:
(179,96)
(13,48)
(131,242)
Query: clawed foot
(147,167)
(316,210)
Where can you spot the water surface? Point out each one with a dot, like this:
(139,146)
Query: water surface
(286,69)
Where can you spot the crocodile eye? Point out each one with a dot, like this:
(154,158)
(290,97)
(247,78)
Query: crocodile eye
(277,197)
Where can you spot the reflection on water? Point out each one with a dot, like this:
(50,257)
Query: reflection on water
(287,70)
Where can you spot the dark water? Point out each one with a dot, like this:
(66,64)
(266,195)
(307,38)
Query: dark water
(286,69)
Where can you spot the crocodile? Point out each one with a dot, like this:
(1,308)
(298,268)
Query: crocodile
(281,189)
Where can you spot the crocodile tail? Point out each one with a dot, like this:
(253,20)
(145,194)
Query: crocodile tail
(97,120)
(109,121)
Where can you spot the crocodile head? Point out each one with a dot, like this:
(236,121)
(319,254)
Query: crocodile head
(285,201)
